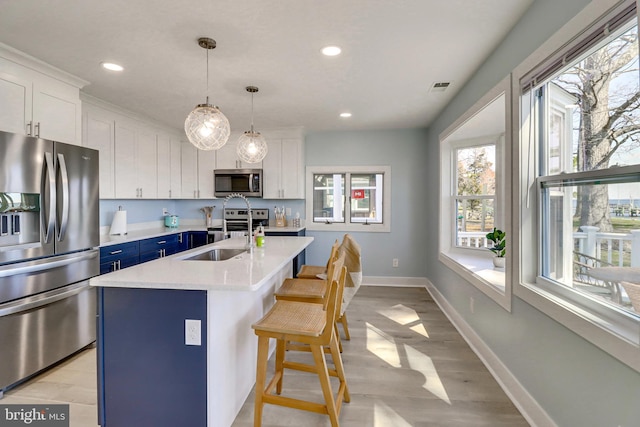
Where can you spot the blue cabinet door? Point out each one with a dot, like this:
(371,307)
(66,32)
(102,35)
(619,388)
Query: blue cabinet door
(197,239)
(116,257)
(158,247)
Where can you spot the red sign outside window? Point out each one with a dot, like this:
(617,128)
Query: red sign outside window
(357,194)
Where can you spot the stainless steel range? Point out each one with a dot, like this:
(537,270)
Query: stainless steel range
(238,219)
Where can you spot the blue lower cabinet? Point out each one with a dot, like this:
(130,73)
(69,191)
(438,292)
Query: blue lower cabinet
(116,257)
(183,241)
(197,239)
(158,247)
(147,375)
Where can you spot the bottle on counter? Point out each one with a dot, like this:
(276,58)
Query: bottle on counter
(260,236)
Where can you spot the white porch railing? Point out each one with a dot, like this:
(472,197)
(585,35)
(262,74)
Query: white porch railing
(588,241)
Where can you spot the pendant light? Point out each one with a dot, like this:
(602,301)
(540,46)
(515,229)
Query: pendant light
(206,127)
(252,147)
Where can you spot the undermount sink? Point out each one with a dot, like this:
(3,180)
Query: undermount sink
(216,255)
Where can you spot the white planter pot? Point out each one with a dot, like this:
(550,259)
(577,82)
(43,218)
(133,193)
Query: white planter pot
(498,262)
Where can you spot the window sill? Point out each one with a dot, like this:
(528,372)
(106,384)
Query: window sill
(478,270)
(621,342)
(343,227)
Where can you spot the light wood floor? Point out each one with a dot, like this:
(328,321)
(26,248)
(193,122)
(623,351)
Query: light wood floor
(405,364)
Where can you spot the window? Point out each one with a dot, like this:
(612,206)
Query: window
(580,181)
(475,194)
(348,198)
(472,193)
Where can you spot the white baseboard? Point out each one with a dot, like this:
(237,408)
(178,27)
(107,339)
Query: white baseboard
(412,282)
(526,404)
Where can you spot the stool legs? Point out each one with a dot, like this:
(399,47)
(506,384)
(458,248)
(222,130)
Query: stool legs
(261,378)
(345,325)
(323,375)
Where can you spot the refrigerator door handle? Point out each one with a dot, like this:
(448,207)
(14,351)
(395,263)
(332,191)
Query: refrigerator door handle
(64,177)
(48,211)
(45,264)
(42,299)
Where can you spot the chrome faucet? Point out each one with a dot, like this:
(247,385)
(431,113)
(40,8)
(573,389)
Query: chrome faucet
(249,245)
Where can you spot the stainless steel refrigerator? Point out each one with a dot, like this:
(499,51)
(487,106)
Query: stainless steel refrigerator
(49,234)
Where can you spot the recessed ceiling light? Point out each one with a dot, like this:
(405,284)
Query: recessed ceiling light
(112,67)
(345,115)
(331,50)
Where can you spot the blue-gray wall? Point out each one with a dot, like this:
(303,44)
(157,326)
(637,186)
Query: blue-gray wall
(405,151)
(575,382)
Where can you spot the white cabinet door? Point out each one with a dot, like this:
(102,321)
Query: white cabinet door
(164,167)
(206,165)
(271,168)
(15,99)
(99,134)
(126,177)
(56,115)
(227,157)
(175,169)
(283,170)
(147,163)
(189,171)
(292,169)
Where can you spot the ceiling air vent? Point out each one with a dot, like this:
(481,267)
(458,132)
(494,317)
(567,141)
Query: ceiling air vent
(440,86)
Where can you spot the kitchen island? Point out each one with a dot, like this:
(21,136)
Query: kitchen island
(175,344)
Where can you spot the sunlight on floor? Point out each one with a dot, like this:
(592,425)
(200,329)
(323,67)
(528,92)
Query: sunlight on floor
(404,315)
(422,363)
(382,345)
(384,416)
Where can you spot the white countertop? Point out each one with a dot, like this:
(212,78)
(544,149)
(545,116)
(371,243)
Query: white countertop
(147,233)
(245,272)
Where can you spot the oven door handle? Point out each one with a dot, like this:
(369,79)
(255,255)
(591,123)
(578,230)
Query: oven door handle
(38,301)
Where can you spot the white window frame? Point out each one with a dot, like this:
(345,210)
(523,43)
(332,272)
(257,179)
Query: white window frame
(476,265)
(610,329)
(347,225)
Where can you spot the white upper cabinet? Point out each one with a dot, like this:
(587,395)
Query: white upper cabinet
(189,171)
(283,169)
(227,157)
(34,103)
(206,165)
(169,167)
(99,133)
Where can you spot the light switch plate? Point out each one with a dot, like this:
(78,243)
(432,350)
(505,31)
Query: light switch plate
(192,335)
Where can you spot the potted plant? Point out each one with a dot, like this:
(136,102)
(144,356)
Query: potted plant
(498,238)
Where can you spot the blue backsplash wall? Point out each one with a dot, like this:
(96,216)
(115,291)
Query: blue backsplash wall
(151,210)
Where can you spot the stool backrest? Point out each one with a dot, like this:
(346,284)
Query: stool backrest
(334,301)
(333,274)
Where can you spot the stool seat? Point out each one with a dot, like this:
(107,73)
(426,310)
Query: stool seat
(303,290)
(311,271)
(293,318)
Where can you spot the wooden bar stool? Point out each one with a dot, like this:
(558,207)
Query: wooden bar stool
(313,271)
(312,291)
(310,324)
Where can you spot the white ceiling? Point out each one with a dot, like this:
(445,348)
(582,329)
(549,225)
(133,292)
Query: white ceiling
(393,52)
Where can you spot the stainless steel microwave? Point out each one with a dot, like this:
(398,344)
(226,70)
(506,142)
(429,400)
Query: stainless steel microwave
(247,182)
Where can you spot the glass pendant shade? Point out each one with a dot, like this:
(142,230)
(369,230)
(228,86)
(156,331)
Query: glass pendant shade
(206,127)
(252,147)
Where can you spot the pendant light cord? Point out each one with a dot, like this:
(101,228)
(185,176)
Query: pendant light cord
(207,49)
(252,113)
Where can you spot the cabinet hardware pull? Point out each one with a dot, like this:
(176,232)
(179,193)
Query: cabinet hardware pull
(29,128)
(38,129)
(162,242)
(115,252)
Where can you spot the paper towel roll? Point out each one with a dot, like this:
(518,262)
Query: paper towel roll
(119,224)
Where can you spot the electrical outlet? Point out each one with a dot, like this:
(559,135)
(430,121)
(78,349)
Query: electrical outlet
(288,210)
(472,305)
(395,262)
(192,332)
(165,212)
